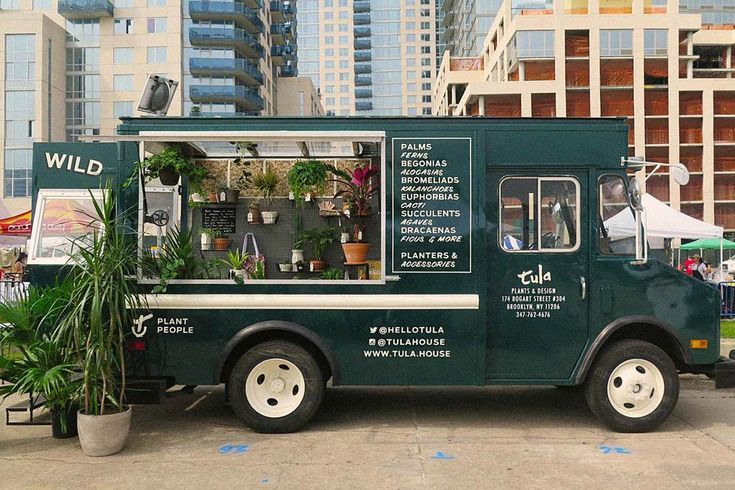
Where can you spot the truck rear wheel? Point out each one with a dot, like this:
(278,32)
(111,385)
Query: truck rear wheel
(633,386)
(276,387)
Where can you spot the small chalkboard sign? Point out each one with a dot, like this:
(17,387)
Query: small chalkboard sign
(220,218)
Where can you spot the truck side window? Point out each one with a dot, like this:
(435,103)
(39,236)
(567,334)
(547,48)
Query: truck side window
(615,216)
(539,214)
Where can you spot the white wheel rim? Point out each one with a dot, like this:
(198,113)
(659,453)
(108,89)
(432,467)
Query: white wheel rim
(275,388)
(635,388)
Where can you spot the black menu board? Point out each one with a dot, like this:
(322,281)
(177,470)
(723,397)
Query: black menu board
(219,218)
(432,195)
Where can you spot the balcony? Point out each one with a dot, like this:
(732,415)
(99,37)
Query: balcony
(282,33)
(361,6)
(280,55)
(362,44)
(363,106)
(364,55)
(281,12)
(244,17)
(254,4)
(448,18)
(243,70)
(85,9)
(245,98)
(363,68)
(363,93)
(361,19)
(363,81)
(289,71)
(243,42)
(361,31)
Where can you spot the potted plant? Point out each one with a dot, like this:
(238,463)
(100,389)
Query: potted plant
(297,251)
(332,274)
(356,250)
(266,184)
(356,186)
(254,217)
(284,266)
(168,165)
(100,310)
(319,240)
(38,364)
(220,240)
(237,262)
(206,238)
(307,178)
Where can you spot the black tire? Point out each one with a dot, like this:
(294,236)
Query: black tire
(313,387)
(614,357)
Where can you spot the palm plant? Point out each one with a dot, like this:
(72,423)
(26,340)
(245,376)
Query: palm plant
(101,304)
(36,363)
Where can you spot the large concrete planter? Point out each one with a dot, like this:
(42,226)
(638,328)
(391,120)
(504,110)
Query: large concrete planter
(103,435)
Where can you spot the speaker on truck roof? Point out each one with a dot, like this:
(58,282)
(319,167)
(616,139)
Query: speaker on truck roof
(157,95)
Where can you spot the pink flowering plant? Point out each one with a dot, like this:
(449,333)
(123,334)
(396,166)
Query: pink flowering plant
(357,185)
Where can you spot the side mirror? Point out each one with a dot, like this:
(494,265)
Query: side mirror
(157,95)
(680,173)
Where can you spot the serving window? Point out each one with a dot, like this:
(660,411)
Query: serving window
(62,219)
(303,207)
(539,214)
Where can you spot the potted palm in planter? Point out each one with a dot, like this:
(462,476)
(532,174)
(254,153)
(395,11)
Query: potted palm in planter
(102,299)
(266,184)
(319,240)
(237,262)
(42,365)
(306,179)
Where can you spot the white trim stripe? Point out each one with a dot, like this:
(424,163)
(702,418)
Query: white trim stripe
(313,301)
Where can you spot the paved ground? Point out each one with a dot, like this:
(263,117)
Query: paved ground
(396,438)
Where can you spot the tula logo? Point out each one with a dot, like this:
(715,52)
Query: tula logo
(139,328)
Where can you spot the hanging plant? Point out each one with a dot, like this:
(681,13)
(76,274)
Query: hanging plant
(307,177)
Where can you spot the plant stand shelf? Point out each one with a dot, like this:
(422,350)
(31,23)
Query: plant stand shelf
(358,267)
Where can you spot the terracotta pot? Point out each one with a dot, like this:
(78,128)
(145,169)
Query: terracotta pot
(318,265)
(221,243)
(254,215)
(212,197)
(103,435)
(355,253)
(168,176)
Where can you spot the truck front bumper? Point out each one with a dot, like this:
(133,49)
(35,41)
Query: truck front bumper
(725,372)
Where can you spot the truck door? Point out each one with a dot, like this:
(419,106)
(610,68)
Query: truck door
(537,241)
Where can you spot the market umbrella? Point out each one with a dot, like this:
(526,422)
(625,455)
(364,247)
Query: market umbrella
(18,225)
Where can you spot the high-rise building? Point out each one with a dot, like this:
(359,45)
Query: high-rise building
(73,67)
(369,57)
(665,65)
(465,24)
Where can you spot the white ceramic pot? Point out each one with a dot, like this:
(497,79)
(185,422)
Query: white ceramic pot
(284,267)
(269,217)
(196,197)
(103,435)
(206,242)
(296,256)
(239,273)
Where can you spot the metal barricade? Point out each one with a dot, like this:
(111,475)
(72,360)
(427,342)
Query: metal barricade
(727,296)
(11,290)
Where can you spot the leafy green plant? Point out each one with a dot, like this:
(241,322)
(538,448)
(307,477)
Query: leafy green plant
(236,260)
(332,273)
(307,176)
(266,184)
(319,239)
(171,158)
(176,260)
(258,272)
(101,304)
(39,364)
(357,186)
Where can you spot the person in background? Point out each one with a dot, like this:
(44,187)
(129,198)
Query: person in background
(19,265)
(692,266)
(700,271)
(686,268)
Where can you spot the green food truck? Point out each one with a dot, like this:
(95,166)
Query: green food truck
(386,251)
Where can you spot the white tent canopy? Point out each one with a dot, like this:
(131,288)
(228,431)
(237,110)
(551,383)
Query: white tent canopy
(661,221)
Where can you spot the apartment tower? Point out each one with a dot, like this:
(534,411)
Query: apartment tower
(367,57)
(666,65)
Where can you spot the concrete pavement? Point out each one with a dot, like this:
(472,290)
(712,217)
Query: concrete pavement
(396,438)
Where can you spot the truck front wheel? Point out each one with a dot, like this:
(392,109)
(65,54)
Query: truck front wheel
(633,386)
(276,387)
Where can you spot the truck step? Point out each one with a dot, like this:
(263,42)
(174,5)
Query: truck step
(26,406)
